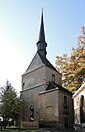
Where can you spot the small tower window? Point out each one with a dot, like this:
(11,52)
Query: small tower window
(23,84)
(65,100)
(53,78)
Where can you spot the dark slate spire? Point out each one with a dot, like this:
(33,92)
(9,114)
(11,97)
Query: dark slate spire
(42,33)
(41,44)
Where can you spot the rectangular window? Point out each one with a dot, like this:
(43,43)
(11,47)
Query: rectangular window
(65,100)
(65,105)
(53,78)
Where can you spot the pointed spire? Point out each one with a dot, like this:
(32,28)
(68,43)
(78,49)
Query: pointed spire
(41,44)
(42,33)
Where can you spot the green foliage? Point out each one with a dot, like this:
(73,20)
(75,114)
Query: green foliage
(73,67)
(12,105)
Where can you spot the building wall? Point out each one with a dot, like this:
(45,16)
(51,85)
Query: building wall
(65,117)
(58,76)
(77,110)
(31,96)
(34,78)
(77,104)
(34,82)
(39,76)
(52,107)
(48,104)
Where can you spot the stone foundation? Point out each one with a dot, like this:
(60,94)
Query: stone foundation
(51,125)
(29,124)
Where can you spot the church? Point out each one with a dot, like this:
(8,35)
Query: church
(48,103)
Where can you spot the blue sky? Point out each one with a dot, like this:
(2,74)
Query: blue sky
(19,30)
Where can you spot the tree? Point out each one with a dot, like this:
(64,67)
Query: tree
(12,105)
(73,67)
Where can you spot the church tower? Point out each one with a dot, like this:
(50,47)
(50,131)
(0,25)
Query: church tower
(41,44)
(42,90)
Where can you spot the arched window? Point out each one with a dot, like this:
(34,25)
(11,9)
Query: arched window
(82,101)
(32,112)
(65,104)
(82,112)
(23,84)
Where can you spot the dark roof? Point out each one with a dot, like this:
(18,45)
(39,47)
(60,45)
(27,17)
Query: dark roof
(46,62)
(53,85)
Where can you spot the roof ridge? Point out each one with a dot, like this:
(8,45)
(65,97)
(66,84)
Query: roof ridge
(47,63)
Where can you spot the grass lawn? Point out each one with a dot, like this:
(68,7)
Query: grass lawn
(11,130)
(15,129)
